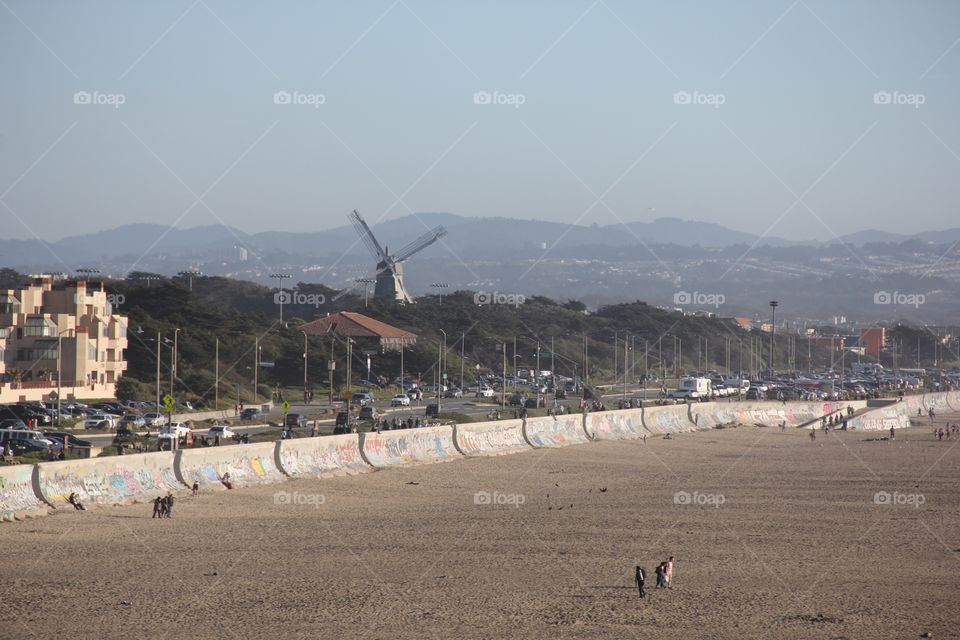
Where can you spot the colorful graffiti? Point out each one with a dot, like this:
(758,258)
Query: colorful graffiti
(322,456)
(17,497)
(556,431)
(409,446)
(491,438)
(246,464)
(616,425)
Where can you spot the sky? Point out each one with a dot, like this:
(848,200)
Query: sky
(802,119)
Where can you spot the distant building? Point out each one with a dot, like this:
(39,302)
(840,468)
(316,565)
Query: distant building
(744,322)
(873,340)
(75,316)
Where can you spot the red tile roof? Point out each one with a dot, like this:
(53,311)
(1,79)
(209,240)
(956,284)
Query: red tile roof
(349,323)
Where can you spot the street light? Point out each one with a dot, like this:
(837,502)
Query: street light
(280,277)
(190,274)
(366,290)
(773,335)
(87,273)
(439,286)
(304,366)
(59,392)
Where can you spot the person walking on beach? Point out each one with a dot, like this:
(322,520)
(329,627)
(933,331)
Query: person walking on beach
(813,435)
(662,575)
(669,568)
(169,500)
(157,508)
(641,579)
(196,489)
(893,433)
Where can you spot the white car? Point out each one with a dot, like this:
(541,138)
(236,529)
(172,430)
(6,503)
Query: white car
(96,420)
(154,419)
(221,431)
(484,392)
(179,429)
(400,400)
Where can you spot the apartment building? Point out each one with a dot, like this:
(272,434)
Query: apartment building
(73,317)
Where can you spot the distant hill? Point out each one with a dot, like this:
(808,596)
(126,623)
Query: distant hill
(478,238)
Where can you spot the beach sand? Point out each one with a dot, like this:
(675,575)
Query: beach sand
(773,536)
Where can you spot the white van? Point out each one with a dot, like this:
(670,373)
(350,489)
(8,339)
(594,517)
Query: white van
(13,435)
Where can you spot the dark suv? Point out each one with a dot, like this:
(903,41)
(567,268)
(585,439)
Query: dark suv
(295,420)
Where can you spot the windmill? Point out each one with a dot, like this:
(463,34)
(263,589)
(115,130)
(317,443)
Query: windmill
(389,274)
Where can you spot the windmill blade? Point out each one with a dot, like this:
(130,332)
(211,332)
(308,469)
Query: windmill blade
(420,243)
(367,236)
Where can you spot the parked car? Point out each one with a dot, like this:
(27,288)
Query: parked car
(533,403)
(13,423)
(369,412)
(483,392)
(100,421)
(19,435)
(453,392)
(68,438)
(250,413)
(221,431)
(132,421)
(517,400)
(400,400)
(295,420)
(154,419)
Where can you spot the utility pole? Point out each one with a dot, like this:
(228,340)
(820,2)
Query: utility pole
(158,371)
(256,368)
(216,375)
(503,382)
(463,341)
(773,336)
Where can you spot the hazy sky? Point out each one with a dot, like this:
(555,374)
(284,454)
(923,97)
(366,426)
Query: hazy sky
(783,134)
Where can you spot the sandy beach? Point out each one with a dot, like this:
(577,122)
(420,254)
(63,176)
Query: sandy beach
(773,536)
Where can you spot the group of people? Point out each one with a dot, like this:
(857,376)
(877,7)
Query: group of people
(833,420)
(396,423)
(163,507)
(664,573)
(940,433)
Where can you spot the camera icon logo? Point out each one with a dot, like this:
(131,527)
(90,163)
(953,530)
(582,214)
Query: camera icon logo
(482,497)
(882,97)
(682,97)
(882,297)
(282,297)
(682,297)
(482,97)
(881,497)
(282,97)
(682,497)
(82,97)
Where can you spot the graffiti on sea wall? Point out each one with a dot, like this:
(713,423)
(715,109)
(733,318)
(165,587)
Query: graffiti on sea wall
(556,431)
(667,419)
(246,464)
(409,446)
(616,425)
(111,480)
(322,456)
(491,438)
(17,497)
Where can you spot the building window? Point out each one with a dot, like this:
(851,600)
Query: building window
(91,353)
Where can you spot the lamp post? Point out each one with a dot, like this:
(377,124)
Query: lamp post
(366,290)
(190,274)
(280,277)
(256,369)
(59,359)
(304,366)
(439,286)
(773,335)
(463,339)
(173,364)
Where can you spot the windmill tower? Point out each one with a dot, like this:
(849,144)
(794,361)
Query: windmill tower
(389,274)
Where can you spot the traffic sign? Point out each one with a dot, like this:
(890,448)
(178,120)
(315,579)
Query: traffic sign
(348,395)
(285,407)
(169,402)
